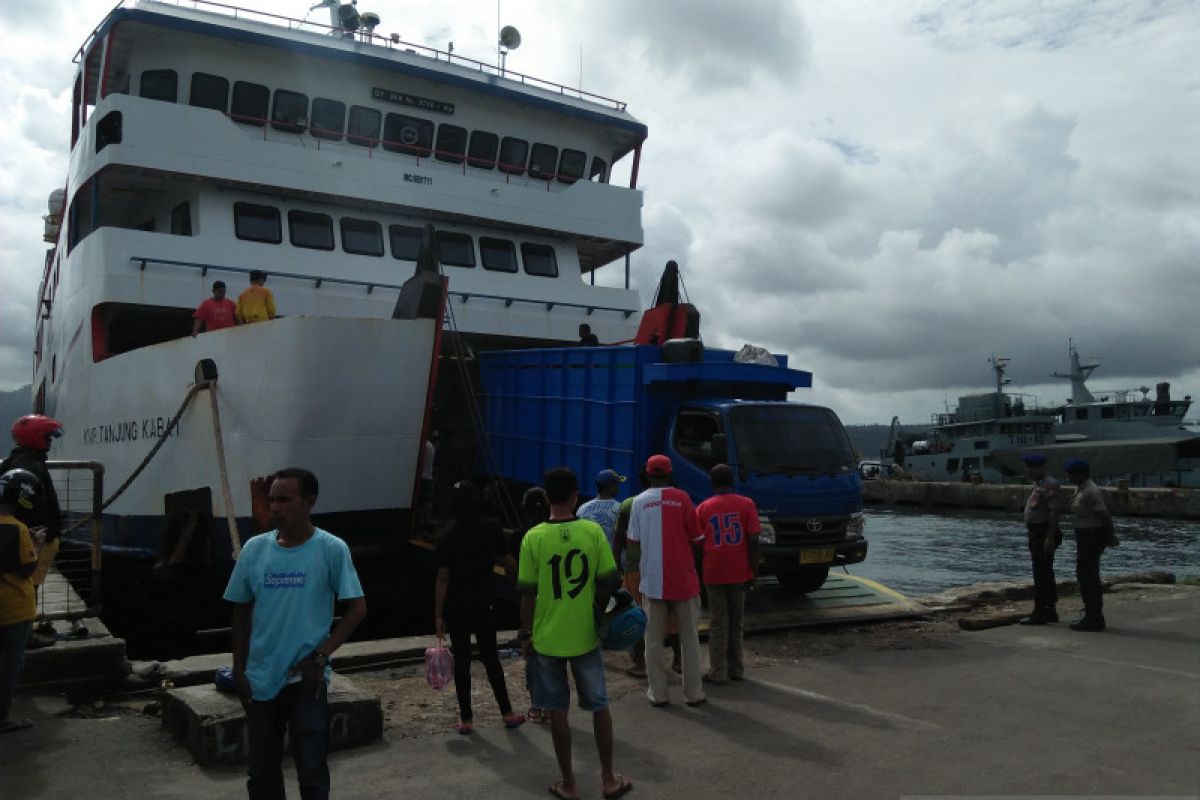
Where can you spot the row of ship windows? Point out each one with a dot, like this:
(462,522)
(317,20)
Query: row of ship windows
(364,237)
(368,127)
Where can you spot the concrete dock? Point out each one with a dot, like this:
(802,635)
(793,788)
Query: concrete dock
(1166,503)
(1009,711)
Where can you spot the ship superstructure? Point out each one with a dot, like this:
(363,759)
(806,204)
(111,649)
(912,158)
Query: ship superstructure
(208,141)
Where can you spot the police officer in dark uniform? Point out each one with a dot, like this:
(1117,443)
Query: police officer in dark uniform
(1046,503)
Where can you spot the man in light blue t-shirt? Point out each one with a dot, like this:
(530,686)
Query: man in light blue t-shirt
(284,585)
(603,508)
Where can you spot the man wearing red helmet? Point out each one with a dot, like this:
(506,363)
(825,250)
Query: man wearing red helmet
(32,434)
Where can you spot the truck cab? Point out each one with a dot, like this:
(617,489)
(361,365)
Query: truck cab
(796,462)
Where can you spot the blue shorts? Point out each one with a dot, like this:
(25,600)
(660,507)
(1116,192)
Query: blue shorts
(550,688)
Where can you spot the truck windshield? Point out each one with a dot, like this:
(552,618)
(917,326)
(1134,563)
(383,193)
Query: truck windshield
(791,439)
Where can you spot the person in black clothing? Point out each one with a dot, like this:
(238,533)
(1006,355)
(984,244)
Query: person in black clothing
(33,434)
(586,337)
(535,509)
(467,551)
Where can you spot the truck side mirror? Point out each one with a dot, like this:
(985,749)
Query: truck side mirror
(720,447)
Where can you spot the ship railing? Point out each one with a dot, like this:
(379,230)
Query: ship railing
(71,589)
(415,151)
(318,280)
(392,42)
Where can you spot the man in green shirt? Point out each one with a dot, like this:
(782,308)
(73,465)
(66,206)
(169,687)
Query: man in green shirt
(566,574)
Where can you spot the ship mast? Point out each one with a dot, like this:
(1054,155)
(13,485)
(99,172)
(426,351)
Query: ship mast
(1078,376)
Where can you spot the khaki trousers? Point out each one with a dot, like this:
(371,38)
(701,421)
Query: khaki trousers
(687,612)
(726,606)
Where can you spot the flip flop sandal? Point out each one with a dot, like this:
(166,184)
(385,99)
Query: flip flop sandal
(625,788)
(465,728)
(556,790)
(514,720)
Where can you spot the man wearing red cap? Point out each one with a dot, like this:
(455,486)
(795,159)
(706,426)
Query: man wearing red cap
(663,522)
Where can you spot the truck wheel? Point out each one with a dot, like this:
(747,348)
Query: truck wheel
(803,581)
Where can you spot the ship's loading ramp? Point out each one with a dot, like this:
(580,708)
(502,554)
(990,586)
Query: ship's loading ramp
(843,599)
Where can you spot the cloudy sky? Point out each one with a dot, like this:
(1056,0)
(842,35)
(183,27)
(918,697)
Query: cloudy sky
(888,191)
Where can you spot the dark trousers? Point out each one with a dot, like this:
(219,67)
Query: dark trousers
(12,658)
(1045,592)
(1089,544)
(481,622)
(304,717)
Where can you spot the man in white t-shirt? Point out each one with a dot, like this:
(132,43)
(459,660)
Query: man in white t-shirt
(603,508)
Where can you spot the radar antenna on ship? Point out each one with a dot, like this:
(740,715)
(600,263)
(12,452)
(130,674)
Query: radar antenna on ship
(510,39)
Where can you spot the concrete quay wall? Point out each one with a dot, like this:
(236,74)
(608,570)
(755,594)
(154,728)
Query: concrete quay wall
(1168,503)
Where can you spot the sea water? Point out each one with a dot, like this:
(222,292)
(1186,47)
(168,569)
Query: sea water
(916,553)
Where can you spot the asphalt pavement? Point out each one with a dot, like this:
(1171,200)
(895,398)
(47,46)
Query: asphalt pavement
(1012,712)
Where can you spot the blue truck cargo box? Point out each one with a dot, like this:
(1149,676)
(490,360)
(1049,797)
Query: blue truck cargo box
(594,408)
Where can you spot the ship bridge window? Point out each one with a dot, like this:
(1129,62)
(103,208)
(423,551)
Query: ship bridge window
(539,260)
(513,155)
(257,223)
(482,151)
(314,231)
(108,130)
(328,118)
(290,112)
(1108,412)
(209,91)
(362,237)
(159,84)
(249,104)
(599,171)
(406,242)
(542,160)
(571,165)
(181,220)
(451,143)
(456,249)
(363,129)
(498,255)
(410,135)
(1081,413)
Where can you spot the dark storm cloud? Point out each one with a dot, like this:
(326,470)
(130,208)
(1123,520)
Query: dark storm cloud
(1035,24)
(712,43)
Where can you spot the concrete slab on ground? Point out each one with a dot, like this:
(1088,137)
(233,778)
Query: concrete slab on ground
(212,724)
(93,662)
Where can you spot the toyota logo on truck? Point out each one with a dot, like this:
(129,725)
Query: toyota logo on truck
(814,525)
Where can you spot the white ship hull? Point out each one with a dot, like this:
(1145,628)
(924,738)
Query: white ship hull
(343,397)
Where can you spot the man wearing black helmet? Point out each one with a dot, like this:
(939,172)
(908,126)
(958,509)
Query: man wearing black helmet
(19,490)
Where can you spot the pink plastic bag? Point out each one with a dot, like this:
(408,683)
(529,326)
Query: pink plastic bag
(439,667)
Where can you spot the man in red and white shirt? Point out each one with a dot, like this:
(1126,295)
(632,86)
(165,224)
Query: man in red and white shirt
(663,522)
(729,522)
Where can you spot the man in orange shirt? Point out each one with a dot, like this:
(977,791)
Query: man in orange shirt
(19,490)
(256,303)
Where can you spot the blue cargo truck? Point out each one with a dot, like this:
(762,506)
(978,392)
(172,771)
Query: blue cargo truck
(594,408)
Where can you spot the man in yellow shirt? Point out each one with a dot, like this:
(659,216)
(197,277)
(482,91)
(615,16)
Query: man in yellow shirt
(19,490)
(256,303)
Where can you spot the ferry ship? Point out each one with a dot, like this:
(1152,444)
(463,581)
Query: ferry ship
(208,141)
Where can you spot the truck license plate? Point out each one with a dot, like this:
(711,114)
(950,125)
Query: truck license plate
(816,556)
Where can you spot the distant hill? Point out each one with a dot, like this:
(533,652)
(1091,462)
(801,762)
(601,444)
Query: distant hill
(13,404)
